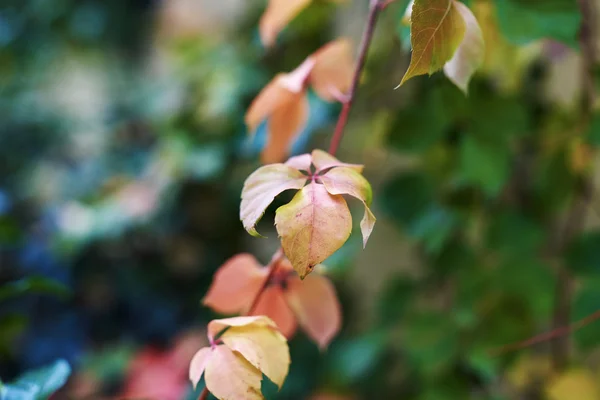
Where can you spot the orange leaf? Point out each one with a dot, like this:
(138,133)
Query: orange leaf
(285,124)
(236,284)
(271,97)
(316,306)
(273,305)
(333,70)
(277,15)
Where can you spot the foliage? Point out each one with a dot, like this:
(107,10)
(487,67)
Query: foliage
(130,130)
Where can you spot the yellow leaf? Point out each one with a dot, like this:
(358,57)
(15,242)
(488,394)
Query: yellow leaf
(217,325)
(312,226)
(437,29)
(266,349)
(231,377)
(529,368)
(576,384)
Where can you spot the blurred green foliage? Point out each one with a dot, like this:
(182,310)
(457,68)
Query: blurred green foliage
(123,153)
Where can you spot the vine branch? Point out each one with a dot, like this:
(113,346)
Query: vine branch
(375,8)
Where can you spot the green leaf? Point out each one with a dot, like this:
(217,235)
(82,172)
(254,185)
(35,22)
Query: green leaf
(583,255)
(260,190)
(33,285)
(434,227)
(343,180)
(484,164)
(514,236)
(38,384)
(524,21)
(593,136)
(437,29)
(312,226)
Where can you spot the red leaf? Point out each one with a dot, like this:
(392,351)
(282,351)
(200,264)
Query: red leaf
(316,306)
(236,284)
(272,303)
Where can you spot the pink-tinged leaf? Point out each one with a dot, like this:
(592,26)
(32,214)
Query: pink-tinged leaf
(217,325)
(316,306)
(268,100)
(436,31)
(312,226)
(470,54)
(272,304)
(266,349)
(344,180)
(277,15)
(284,126)
(333,69)
(295,81)
(198,365)
(229,376)
(301,162)
(236,284)
(323,160)
(260,189)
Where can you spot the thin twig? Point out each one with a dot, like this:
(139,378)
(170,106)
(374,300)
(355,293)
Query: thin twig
(576,216)
(375,7)
(556,333)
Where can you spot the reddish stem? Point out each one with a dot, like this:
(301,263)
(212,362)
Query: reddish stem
(375,7)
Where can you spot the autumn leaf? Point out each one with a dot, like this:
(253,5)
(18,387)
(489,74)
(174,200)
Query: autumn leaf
(333,69)
(312,226)
(317,221)
(234,364)
(283,102)
(344,180)
(315,303)
(285,299)
(470,54)
(273,304)
(277,15)
(260,190)
(437,30)
(235,284)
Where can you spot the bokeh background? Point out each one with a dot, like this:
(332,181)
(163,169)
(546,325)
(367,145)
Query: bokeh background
(122,156)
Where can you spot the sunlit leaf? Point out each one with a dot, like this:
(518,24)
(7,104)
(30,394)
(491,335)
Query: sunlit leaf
(470,54)
(260,189)
(437,30)
(343,180)
(316,306)
(312,226)
(217,325)
(266,349)
(236,284)
(198,364)
(229,375)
